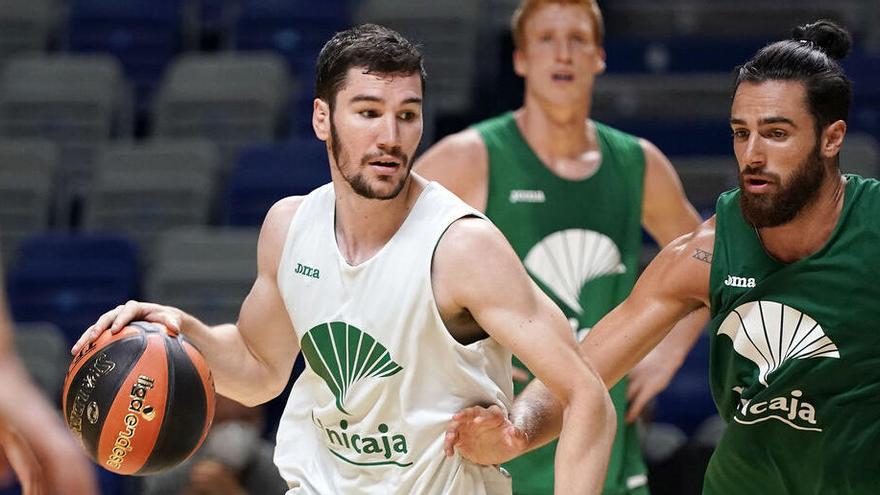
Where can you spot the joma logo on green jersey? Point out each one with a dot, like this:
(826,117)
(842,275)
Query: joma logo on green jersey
(307,271)
(343,355)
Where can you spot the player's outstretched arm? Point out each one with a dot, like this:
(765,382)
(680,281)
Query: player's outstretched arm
(251,361)
(475,269)
(675,284)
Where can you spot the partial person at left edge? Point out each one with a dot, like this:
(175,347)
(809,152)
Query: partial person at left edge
(39,449)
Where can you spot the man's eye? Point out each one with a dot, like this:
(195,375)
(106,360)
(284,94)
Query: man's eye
(369,114)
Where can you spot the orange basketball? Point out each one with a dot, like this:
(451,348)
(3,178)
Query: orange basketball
(140,401)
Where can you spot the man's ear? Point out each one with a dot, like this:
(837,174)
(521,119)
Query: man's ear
(832,139)
(321,119)
(600,61)
(519,63)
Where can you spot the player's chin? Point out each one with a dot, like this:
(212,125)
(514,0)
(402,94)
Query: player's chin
(387,187)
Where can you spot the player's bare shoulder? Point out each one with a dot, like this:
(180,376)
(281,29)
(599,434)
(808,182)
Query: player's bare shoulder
(472,259)
(460,162)
(274,231)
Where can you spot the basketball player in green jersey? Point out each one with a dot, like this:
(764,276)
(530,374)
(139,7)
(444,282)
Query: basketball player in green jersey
(373,277)
(788,267)
(572,195)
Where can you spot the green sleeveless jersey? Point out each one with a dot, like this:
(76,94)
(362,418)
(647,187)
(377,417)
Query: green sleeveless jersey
(795,356)
(580,240)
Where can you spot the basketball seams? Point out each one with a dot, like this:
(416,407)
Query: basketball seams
(204,372)
(153,364)
(122,353)
(83,356)
(181,436)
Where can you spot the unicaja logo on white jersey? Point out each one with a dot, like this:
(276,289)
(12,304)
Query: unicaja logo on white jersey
(344,356)
(527,196)
(771,334)
(733,281)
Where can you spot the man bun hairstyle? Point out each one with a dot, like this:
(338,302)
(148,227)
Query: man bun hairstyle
(832,39)
(376,49)
(811,56)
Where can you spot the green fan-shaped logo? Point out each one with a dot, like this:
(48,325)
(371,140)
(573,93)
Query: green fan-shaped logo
(343,355)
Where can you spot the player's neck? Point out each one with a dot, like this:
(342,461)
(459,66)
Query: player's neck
(363,226)
(563,138)
(811,228)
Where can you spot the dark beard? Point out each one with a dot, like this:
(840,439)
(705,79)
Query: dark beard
(358,182)
(771,210)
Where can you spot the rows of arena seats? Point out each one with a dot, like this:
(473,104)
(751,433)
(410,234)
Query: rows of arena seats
(141,142)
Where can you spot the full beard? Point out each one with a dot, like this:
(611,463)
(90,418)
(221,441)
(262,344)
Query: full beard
(781,207)
(358,181)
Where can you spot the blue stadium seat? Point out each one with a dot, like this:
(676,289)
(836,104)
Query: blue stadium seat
(265,174)
(71,279)
(295,28)
(678,54)
(299,115)
(681,137)
(687,401)
(864,71)
(144,34)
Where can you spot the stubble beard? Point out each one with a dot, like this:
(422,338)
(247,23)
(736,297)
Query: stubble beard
(358,181)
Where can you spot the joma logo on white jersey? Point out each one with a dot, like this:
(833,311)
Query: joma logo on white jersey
(733,281)
(527,196)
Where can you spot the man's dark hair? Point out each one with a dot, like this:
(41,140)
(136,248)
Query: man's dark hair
(375,49)
(811,57)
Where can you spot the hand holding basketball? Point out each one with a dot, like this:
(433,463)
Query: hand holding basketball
(117,318)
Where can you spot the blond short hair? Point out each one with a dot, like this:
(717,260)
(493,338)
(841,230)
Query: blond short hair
(528,7)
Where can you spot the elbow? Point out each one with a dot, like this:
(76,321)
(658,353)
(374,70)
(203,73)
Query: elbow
(254,396)
(592,398)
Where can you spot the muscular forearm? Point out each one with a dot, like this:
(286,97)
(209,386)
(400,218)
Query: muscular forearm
(588,426)
(585,428)
(238,373)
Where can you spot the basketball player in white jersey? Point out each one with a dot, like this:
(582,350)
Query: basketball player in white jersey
(405,302)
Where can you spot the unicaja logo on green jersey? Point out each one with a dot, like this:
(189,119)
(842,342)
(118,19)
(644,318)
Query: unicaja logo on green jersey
(771,334)
(343,355)
(566,260)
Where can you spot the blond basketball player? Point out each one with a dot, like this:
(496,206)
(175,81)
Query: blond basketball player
(405,302)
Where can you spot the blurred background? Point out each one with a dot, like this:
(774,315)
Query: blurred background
(142,142)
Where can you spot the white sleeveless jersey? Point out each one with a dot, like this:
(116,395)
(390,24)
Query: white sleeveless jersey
(383,375)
